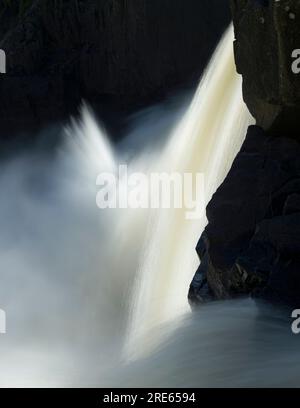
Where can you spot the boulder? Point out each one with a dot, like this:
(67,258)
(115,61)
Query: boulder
(251,244)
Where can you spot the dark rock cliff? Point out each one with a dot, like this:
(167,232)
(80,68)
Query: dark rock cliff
(251,244)
(252,241)
(267,33)
(116,54)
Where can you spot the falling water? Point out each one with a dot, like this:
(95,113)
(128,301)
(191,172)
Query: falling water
(98,298)
(205,141)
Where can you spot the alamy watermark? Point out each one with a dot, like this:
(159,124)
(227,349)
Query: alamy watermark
(2,312)
(139,190)
(296,323)
(2,322)
(296,61)
(2,62)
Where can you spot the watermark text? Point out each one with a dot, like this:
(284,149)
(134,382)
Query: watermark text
(2,62)
(296,61)
(138,190)
(296,322)
(2,322)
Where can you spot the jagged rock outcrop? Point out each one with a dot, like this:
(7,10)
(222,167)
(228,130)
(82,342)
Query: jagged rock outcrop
(251,244)
(116,54)
(267,33)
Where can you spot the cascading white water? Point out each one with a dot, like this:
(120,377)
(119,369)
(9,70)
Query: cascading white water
(205,141)
(92,297)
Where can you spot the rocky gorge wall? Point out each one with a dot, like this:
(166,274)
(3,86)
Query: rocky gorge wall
(251,245)
(267,33)
(118,55)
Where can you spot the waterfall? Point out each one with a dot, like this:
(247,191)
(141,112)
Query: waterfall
(85,289)
(206,140)
(99,297)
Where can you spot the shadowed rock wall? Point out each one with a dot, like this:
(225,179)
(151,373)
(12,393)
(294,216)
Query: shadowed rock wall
(267,32)
(251,245)
(116,54)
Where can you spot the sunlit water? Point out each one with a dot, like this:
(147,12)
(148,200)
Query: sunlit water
(97,298)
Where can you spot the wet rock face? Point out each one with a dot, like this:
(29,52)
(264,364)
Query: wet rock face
(116,54)
(267,33)
(251,244)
